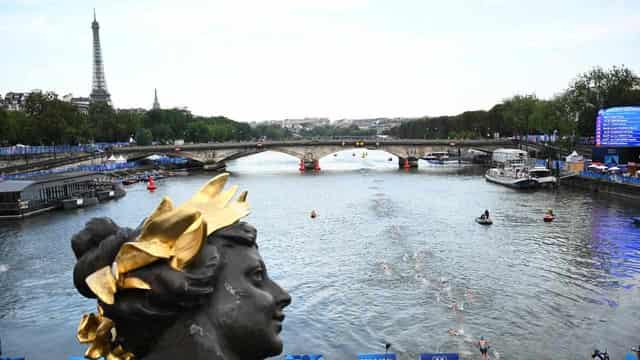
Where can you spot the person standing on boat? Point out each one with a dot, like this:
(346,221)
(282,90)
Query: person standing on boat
(486,213)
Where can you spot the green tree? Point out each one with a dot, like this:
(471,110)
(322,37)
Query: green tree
(598,89)
(128,123)
(102,121)
(518,111)
(198,131)
(143,137)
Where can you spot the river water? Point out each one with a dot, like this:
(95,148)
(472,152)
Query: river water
(393,256)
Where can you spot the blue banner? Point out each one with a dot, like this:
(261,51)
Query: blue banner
(387,356)
(439,356)
(304,357)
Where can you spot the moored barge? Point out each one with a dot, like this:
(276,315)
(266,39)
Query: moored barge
(34,195)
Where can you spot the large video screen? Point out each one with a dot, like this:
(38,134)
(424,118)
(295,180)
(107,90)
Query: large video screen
(618,126)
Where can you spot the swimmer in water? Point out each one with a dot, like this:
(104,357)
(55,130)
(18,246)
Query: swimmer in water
(483,345)
(386,269)
(469,295)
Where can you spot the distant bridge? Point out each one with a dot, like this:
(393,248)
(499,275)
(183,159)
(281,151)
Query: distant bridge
(310,152)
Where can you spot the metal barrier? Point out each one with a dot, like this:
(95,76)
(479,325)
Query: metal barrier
(91,168)
(613,178)
(32,150)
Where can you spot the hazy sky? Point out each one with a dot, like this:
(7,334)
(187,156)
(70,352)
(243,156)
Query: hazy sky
(275,59)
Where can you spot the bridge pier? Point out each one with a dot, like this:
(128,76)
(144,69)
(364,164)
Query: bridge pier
(213,166)
(408,162)
(309,164)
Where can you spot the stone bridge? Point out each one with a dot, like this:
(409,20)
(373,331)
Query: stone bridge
(309,152)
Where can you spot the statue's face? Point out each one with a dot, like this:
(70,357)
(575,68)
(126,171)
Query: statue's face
(247,306)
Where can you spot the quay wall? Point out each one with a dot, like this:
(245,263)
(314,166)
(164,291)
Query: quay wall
(628,191)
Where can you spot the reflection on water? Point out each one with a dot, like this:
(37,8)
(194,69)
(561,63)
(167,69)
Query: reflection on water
(393,256)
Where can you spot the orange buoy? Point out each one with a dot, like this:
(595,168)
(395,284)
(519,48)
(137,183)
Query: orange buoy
(316,165)
(301,168)
(151,185)
(406,164)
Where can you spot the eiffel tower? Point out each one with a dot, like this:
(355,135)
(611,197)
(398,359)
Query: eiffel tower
(99,88)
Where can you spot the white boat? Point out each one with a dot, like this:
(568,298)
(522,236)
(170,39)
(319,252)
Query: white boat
(543,176)
(510,170)
(437,158)
(516,178)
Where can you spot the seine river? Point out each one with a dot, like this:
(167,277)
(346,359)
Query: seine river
(392,257)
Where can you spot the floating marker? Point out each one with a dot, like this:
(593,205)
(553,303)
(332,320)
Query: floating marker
(151,185)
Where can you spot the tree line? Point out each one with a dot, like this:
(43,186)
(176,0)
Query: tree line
(571,112)
(46,120)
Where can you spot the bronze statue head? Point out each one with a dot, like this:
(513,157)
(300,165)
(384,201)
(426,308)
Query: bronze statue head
(216,303)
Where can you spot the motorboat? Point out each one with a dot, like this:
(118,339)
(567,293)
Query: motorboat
(510,170)
(543,176)
(484,221)
(437,158)
(130,181)
(516,178)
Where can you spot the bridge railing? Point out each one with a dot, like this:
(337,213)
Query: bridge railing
(88,168)
(40,149)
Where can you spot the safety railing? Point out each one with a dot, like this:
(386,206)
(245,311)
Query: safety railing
(89,168)
(613,178)
(33,150)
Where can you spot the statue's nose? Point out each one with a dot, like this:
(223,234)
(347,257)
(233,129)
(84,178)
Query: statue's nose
(283,299)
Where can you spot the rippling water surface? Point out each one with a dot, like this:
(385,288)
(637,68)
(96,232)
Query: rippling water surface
(392,257)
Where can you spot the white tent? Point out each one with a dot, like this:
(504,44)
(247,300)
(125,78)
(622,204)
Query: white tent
(121,159)
(111,158)
(574,157)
